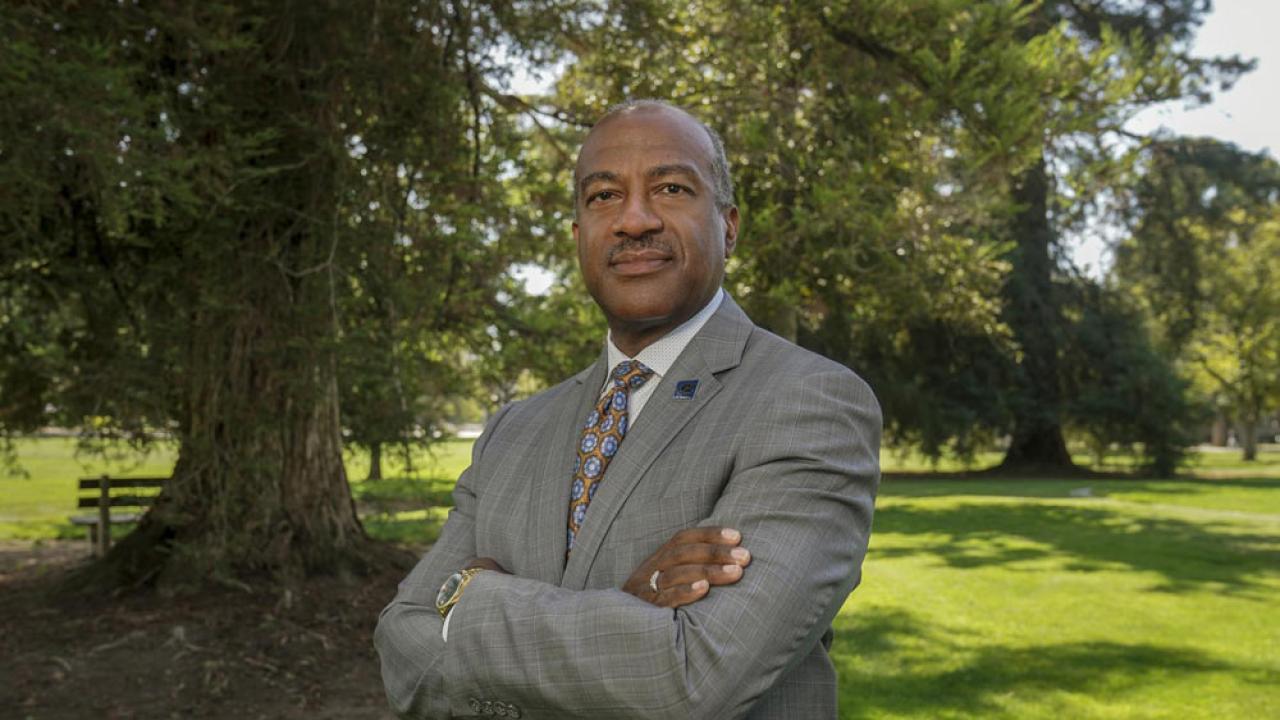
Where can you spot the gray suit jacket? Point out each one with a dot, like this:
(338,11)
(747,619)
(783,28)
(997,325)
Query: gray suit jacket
(777,442)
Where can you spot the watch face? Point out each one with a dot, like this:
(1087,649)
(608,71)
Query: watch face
(449,588)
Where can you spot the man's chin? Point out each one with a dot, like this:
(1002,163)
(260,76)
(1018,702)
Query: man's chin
(640,319)
(643,319)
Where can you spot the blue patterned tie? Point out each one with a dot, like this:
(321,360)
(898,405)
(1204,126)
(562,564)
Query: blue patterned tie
(604,430)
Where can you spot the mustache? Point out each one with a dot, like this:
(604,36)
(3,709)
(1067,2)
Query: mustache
(646,242)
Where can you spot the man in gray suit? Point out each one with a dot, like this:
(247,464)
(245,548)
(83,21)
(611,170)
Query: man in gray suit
(692,570)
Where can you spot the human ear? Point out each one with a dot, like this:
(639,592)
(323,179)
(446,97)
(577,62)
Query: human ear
(730,217)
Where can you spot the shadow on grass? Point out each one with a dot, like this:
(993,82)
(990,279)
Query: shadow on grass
(1187,555)
(873,650)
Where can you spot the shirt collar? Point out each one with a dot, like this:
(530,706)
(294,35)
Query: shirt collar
(661,354)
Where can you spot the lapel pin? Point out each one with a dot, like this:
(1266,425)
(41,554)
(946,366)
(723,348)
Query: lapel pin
(685,389)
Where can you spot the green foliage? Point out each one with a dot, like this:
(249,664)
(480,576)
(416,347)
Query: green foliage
(880,150)
(868,151)
(1123,56)
(860,192)
(1188,198)
(218,214)
(162,188)
(1204,258)
(236,220)
(1121,389)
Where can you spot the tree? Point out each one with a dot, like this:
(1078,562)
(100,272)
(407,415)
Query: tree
(1202,256)
(905,173)
(1139,53)
(1088,66)
(870,202)
(209,208)
(1123,390)
(1237,350)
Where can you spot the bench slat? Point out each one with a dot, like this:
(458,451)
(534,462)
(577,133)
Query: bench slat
(141,482)
(120,501)
(95,520)
(96,492)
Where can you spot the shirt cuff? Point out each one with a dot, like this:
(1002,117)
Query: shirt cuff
(444,629)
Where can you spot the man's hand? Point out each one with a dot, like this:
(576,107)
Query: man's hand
(688,565)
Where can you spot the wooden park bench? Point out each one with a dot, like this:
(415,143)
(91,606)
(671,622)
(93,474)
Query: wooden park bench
(101,493)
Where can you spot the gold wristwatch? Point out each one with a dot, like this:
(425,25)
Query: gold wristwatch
(452,589)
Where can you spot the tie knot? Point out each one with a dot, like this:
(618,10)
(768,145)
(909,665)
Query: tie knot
(630,374)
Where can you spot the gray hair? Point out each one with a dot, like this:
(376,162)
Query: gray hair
(719,162)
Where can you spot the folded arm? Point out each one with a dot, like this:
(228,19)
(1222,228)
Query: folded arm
(801,496)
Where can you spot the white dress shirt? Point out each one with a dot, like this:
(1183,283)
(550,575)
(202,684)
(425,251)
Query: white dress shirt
(659,356)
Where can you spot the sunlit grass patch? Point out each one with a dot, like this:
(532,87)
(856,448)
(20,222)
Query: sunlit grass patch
(1014,599)
(416,528)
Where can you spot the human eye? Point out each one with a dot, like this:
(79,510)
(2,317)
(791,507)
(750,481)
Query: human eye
(599,195)
(674,189)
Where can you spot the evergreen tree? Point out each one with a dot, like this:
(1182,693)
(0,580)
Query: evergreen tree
(222,218)
(906,172)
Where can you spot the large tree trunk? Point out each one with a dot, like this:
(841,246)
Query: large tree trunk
(259,486)
(1032,313)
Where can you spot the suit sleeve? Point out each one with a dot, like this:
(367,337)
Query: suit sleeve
(408,637)
(802,494)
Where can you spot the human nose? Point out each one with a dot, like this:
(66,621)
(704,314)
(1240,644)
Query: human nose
(637,217)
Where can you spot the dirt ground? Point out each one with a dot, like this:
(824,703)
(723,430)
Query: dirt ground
(227,653)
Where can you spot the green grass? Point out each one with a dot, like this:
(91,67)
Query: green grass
(36,504)
(981,598)
(1012,599)
(410,504)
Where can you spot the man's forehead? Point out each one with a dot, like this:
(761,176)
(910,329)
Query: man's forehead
(650,129)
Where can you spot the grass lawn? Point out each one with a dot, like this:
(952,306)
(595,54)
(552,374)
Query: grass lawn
(36,505)
(994,598)
(1013,599)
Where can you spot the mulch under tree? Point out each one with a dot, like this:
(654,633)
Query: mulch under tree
(226,652)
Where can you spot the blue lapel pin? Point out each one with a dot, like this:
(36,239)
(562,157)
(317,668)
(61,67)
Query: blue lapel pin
(685,389)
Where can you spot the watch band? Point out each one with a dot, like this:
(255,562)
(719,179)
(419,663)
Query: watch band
(452,589)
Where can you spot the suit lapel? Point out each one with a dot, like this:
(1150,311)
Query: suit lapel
(558,439)
(717,347)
